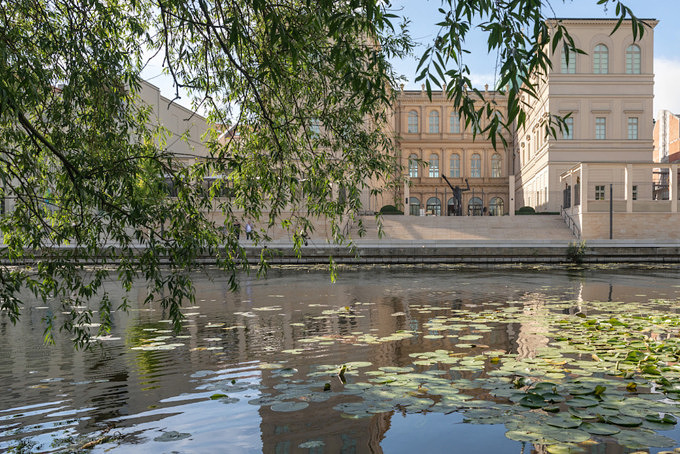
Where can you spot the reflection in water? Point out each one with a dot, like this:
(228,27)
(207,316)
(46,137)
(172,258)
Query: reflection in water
(151,390)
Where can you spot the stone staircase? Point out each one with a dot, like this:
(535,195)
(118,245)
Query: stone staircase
(536,227)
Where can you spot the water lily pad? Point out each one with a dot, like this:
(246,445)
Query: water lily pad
(600,428)
(625,421)
(564,448)
(172,436)
(564,422)
(289,406)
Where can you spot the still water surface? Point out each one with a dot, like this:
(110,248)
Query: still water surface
(216,386)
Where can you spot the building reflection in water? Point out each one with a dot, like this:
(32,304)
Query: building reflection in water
(233,332)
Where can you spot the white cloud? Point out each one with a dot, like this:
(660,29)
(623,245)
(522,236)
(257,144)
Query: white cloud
(666,83)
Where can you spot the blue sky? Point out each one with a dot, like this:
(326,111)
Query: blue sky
(423,15)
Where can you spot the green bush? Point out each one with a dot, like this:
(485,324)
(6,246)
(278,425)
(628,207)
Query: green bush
(526,210)
(576,251)
(390,209)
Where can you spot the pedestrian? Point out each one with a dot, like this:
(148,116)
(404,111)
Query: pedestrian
(249,230)
(237,229)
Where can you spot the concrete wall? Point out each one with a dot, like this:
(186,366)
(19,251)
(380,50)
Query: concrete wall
(641,226)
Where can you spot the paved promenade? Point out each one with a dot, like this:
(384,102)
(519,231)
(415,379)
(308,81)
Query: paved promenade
(468,240)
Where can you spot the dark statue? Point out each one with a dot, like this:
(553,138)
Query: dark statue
(457,196)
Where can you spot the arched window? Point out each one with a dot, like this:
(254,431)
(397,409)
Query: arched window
(414,206)
(434,206)
(413,166)
(475,207)
(496,166)
(568,67)
(434,165)
(413,122)
(496,207)
(454,123)
(434,122)
(476,166)
(633,59)
(454,167)
(601,59)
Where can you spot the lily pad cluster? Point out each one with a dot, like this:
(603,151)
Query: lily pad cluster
(610,375)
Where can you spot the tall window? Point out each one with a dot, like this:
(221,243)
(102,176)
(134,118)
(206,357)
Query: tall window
(496,165)
(454,123)
(434,122)
(633,59)
(454,169)
(568,67)
(600,128)
(601,59)
(413,166)
(635,192)
(632,128)
(599,192)
(476,166)
(413,122)
(434,165)
(568,134)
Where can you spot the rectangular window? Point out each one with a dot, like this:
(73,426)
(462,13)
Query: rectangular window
(635,192)
(568,134)
(600,128)
(599,192)
(632,128)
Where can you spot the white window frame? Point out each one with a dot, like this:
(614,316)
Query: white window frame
(600,128)
(601,59)
(568,135)
(434,122)
(633,59)
(476,166)
(633,123)
(412,122)
(434,166)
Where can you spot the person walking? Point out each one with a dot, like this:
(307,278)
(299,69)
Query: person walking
(249,230)
(237,229)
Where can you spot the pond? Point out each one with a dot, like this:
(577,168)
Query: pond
(387,359)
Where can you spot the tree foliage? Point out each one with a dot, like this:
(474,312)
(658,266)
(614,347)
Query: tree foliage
(522,35)
(305,87)
(304,83)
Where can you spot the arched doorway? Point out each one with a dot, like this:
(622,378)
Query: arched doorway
(451,207)
(414,206)
(496,207)
(475,207)
(434,206)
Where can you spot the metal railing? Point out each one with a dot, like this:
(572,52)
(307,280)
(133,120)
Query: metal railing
(573,226)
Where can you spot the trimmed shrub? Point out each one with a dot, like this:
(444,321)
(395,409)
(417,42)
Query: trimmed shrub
(526,210)
(390,209)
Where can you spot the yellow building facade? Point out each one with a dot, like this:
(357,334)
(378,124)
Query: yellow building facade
(435,146)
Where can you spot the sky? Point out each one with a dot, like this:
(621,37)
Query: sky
(423,15)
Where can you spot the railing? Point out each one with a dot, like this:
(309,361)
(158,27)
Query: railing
(573,226)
